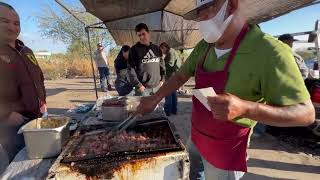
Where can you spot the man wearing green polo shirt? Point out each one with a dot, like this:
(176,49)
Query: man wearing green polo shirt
(255,78)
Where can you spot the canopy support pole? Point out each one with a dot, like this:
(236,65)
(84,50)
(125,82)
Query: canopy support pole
(91,57)
(88,36)
(70,12)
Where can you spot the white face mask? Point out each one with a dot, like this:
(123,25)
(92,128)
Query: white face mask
(213,29)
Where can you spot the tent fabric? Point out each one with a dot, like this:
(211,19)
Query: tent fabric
(174,30)
(110,10)
(164,17)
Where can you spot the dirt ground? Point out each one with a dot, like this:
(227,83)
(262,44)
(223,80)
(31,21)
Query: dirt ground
(269,157)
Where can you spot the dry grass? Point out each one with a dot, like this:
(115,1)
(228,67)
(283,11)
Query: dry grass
(52,70)
(65,67)
(79,68)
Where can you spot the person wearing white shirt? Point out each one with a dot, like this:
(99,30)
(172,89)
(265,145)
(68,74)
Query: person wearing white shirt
(102,66)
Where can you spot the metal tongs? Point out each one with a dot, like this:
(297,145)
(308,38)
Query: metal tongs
(125,124)
(118,128)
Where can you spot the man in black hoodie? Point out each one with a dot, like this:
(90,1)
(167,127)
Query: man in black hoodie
(146,67)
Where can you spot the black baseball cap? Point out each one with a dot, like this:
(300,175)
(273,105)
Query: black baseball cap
(287,37)
(99,45)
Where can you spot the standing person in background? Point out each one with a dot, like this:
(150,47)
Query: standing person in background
(101,61)
(182,56)
(146,67)
(122,83)
(315,66)
(288,39)
(172,63)
(22,90)
(182,90)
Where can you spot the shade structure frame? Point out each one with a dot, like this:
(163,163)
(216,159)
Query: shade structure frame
(111,11)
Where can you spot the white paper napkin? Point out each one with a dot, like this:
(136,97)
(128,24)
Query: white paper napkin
(203,94)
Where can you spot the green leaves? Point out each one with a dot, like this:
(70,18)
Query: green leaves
(56,23)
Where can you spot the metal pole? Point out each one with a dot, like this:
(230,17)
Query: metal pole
(72,14)
(93,74)
(88,36)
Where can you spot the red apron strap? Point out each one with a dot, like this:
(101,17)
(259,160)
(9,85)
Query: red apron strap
(236,46)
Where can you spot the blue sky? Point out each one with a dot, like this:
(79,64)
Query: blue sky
(297,21)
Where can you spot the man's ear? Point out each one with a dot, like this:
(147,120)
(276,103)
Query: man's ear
(233,5)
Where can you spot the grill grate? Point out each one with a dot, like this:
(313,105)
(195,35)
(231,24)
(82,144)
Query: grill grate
(154,129)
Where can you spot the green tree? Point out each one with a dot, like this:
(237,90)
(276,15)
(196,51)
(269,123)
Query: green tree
(60,25)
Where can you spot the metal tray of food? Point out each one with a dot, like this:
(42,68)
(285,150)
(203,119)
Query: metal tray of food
(161,132)
(45,137)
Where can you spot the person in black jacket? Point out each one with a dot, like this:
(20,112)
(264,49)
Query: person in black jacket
(146,67)
(122,83)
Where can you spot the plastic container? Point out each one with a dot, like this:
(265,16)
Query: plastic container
(44,138)
(110,113)
(119,113)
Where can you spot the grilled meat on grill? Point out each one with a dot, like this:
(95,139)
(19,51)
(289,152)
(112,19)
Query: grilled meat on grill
(115,102)
(105,143)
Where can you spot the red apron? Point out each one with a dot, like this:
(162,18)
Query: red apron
(222,143)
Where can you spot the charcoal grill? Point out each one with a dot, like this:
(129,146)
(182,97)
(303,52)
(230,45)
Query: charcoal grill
(154,129)
(165,163)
